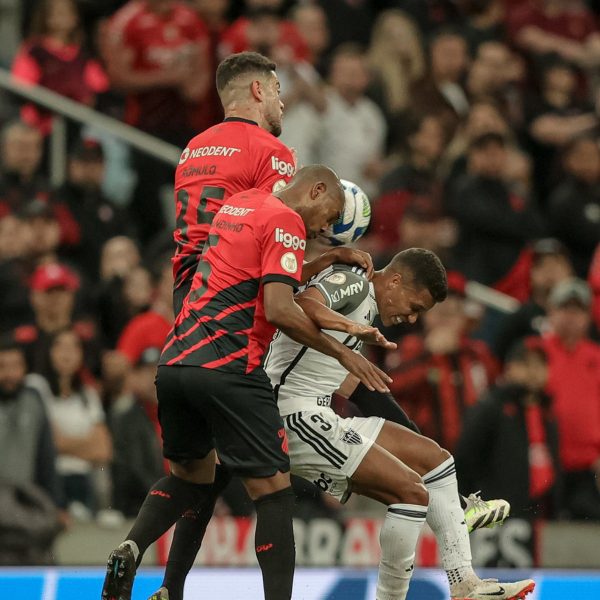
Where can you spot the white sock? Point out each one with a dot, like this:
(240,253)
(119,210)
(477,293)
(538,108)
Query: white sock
(447,521)
(398,539)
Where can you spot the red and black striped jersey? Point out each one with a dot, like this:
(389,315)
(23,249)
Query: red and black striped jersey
(254,239)
(231,157)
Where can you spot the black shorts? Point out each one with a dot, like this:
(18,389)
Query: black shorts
(201,409)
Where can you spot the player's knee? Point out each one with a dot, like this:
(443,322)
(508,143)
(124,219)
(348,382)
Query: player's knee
(411,490)
(433,456)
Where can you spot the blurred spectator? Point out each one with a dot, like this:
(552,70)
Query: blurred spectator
(312,25)
(438,374)
(554,118)
(513,425)
(483,22)
(574,383)
(574,206)
(97,217)
(421,139)
(441,89)
(15,269)
(157,53)
(20,159)
(568,29)
(29,487)
(213,13)
(53,294)
(263,29)
(80,434)
(350,133)
(550,264)
(137,459)
(45,232)
(149,328)
(55,55)
(349,20)
(396,59)
(494,223)
(26,444)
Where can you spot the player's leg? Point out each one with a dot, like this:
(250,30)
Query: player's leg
(251,441)
(329,450)
(445,515)
(478,512)
(187,443)
(187,539)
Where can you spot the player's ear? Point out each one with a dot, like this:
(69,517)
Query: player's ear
(257,90)
(318,189)
(395,281)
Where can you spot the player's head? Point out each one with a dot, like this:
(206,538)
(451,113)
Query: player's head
(410,285)
(316,194)
(248,86)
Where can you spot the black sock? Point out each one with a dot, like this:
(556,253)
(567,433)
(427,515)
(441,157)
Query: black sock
(188,536)
(168,499)
(274,543)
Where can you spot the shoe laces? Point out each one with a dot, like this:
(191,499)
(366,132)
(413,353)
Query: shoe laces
(477,502)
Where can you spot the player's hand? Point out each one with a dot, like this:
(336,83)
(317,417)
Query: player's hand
(373,377)
(352,256)
(370,335)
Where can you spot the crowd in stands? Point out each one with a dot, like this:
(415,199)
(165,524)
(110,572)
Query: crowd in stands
(473,126)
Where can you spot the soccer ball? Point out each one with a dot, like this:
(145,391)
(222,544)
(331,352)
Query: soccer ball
(354,220)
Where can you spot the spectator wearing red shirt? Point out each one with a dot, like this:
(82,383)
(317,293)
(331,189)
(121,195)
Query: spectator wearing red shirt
(568,29)
(438,374)
(156,51)
(245,34)
(55,56)
(574,383)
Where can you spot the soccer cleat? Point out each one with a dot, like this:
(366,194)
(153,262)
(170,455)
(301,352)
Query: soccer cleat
(120,572)
(161,594)
(481,513)
(492,589)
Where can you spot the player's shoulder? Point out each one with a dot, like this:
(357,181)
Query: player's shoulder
(340,274)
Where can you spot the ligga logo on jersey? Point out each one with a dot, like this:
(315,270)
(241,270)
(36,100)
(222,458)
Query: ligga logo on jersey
(287,240)
(282,167)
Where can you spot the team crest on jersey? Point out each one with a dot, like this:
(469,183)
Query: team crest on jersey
(336,278)
(279,185)
(289,263)
(351,437)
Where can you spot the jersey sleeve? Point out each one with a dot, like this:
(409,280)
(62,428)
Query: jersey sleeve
(275,167)
(343,288)
(283,244)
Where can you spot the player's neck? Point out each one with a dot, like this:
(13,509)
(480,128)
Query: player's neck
(378,281)
(249,113)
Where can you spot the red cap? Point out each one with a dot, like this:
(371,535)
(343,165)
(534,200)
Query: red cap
(52,276)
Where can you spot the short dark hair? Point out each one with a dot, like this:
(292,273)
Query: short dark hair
(8,343)
(240,64)
(426,268)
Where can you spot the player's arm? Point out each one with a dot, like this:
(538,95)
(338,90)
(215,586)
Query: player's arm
(282,312)
(342,255)
(313,303)
(119,55)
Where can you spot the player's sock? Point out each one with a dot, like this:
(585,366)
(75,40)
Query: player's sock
(168,499)
(188,536)
(447,521)
(274,543)
(378,404)
(398,540)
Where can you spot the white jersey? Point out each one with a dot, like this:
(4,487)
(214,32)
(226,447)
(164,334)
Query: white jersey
(303,378)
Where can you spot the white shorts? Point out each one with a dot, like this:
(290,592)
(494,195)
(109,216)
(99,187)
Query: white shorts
(326,449)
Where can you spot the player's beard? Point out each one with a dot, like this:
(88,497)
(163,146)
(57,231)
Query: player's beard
(274,127)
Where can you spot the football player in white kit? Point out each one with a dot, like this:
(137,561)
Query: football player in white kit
(410,474)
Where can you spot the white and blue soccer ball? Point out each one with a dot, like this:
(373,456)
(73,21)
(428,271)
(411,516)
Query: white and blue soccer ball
(354,220)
